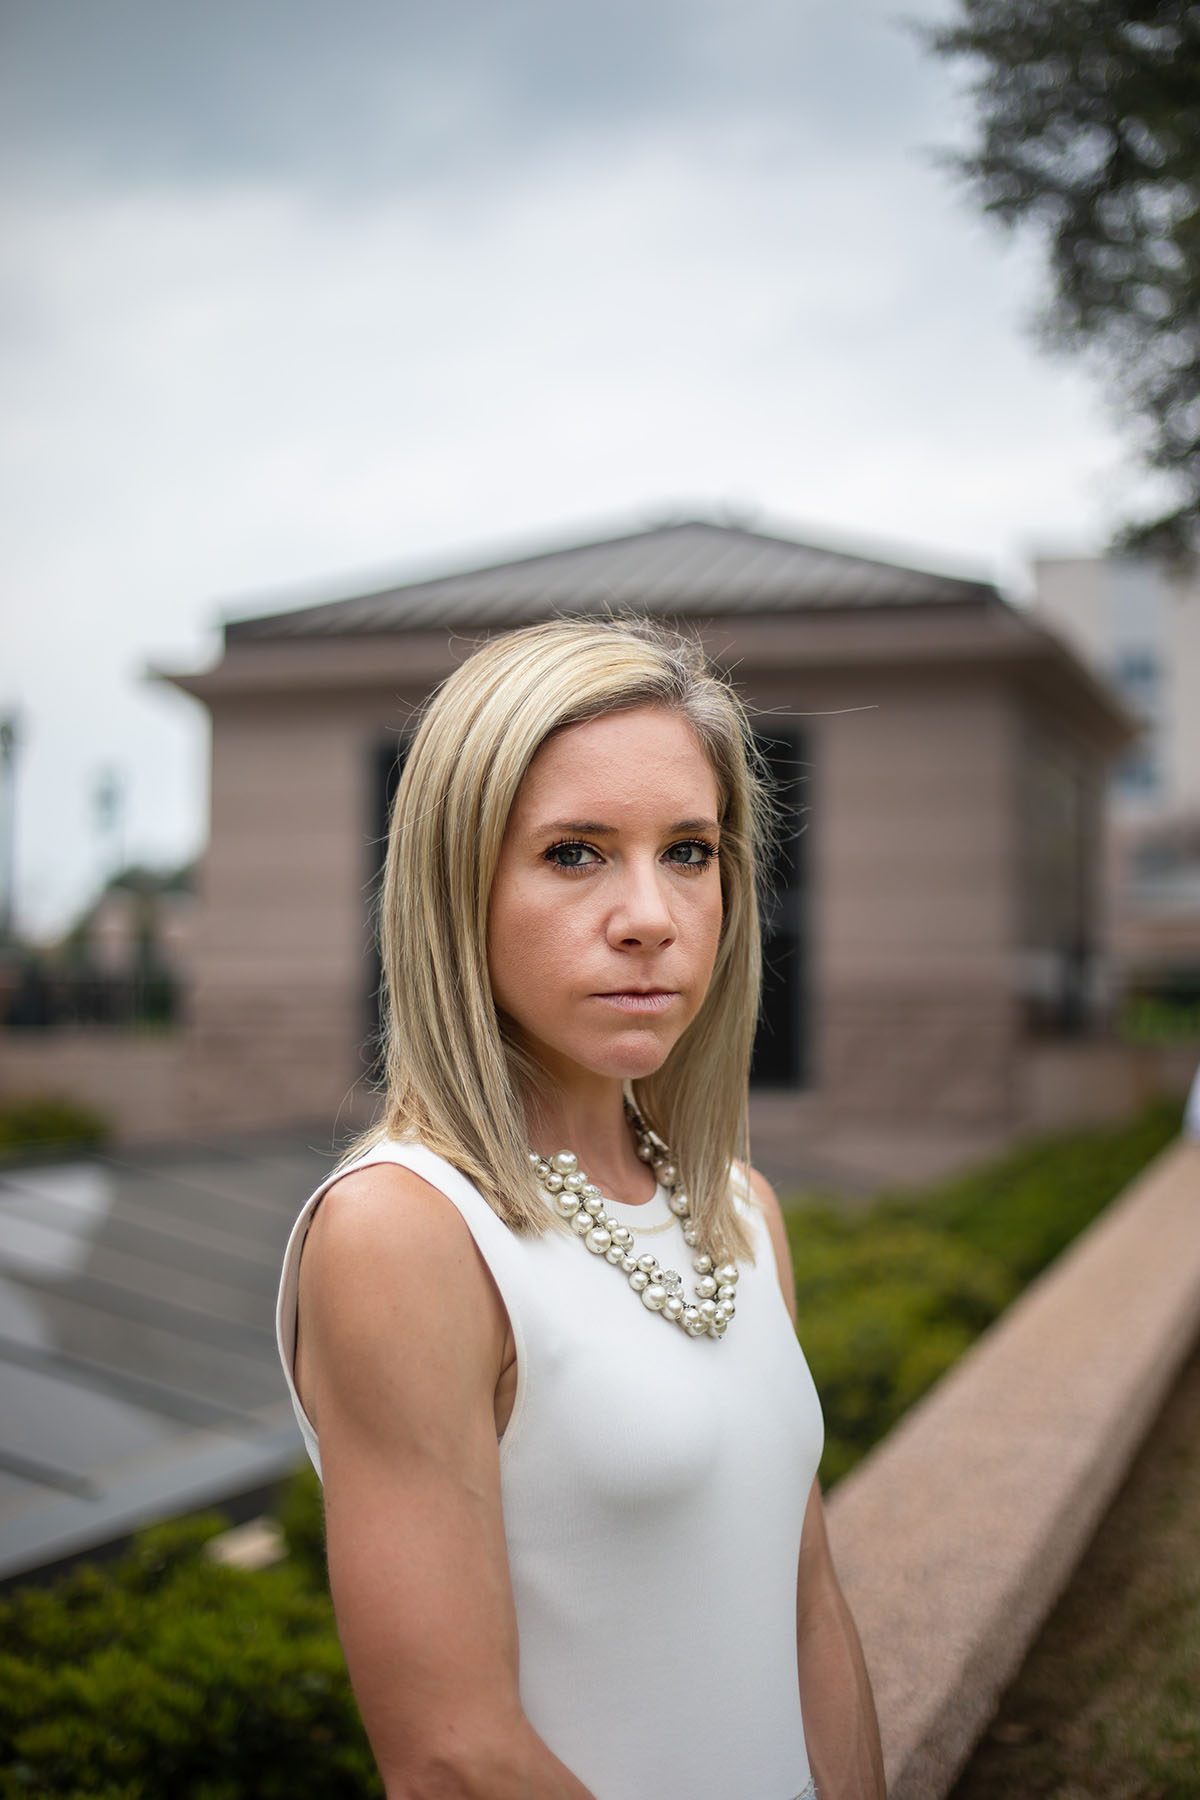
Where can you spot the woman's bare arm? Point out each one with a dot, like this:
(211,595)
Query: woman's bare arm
(403,1332)
(841,1729)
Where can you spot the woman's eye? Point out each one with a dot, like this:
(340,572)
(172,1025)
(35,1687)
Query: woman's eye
(704,853)
(569,849)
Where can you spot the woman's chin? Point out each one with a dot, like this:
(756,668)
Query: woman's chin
(627,1055)
(634,1055)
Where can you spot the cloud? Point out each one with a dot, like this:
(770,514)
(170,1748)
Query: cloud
(369,97)
(296,295)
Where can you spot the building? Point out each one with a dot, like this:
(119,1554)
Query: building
(1140,629)
(938,912)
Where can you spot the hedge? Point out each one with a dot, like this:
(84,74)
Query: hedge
(34,1125)
(164,1674)
(887,1299)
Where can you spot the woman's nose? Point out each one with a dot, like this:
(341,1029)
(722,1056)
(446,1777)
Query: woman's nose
(642,912)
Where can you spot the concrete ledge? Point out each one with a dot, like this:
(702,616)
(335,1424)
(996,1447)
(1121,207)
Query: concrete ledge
(956,1536)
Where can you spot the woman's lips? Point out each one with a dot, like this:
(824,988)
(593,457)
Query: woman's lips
(629,1002)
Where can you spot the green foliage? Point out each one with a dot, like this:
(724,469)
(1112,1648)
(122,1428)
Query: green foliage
(889,1298)
(38,1123)
(1150,1020)
(884,1307)
(166,1673)
(300,1511)
(1089,129)
(1022,1211)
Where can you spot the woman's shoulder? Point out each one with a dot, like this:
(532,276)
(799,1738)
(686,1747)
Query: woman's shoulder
(389,1283)
(382,1212)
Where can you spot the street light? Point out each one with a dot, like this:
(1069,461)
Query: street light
(10,739)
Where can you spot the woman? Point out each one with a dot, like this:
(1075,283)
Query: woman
(568,1439)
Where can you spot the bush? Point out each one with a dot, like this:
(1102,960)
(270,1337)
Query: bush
(166,1674)
(37,1124)
(889,1298)
(300,1511)
(883,1308)
(1025,1209)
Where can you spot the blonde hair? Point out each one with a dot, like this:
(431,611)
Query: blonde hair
(454,1078)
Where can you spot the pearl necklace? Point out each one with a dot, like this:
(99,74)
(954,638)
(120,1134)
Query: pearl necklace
(580,1201)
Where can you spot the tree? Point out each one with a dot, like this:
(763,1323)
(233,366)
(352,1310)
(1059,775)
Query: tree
(1089,129)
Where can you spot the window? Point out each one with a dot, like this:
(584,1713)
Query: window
(781,1048)
(1137,674)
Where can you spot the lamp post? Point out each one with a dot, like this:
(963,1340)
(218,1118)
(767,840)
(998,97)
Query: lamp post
(10,738)
(108,801)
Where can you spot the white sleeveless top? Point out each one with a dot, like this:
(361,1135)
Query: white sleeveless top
(654,1488)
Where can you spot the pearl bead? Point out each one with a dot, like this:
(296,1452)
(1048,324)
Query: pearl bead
(582,1203)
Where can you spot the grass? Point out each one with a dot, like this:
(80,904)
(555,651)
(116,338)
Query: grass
(1107,1704)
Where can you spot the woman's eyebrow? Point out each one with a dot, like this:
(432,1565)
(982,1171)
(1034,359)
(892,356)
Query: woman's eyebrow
(593,829)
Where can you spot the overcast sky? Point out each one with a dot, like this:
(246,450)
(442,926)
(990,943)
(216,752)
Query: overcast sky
(304,297)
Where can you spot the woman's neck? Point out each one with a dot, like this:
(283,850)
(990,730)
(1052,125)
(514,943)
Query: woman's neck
(592,1123)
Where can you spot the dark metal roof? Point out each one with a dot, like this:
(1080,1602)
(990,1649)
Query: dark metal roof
(692,569)
(139,1376)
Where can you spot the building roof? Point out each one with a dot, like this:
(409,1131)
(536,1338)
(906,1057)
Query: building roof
(696,568)
(139,1376)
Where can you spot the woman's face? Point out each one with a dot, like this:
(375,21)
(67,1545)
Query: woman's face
(608,884)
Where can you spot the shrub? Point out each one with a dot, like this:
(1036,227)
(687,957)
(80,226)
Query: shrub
(36,1124)
(300,1510)
(883,1308)
(889,1298)
(1026,1208)
(165,1673)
